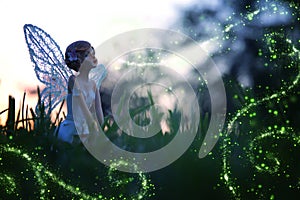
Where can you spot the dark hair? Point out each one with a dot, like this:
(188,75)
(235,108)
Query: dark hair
(76,53)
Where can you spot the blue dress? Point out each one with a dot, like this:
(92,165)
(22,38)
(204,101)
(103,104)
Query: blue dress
(67,128)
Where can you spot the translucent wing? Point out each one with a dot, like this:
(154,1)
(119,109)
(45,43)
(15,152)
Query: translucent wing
(49,66)
(98,74)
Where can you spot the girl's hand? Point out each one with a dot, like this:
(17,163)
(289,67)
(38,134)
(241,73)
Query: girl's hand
(93,127)
(94,130)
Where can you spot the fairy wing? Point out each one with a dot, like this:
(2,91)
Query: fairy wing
(49,66)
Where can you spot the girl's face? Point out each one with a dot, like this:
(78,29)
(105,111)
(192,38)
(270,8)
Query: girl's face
(90,60)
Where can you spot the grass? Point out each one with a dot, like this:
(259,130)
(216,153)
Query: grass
(76,172)
(34,133)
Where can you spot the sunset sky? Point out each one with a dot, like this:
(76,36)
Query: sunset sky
(68,21)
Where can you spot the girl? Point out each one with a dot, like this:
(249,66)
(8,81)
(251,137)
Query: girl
(83,99)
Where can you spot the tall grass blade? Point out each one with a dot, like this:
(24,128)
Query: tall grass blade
(11,116)
(23,104)
(17,120)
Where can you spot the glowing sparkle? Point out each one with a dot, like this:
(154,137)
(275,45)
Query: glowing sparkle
(44,177)
(263,160)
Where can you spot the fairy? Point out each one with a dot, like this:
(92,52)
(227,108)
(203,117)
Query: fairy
(81,91)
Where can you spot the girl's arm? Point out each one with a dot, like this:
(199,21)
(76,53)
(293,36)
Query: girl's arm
(79,100)
(98,106)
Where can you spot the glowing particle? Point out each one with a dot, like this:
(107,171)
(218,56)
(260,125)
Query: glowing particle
(228,27)
(226,177)
(259,186)
(42,175)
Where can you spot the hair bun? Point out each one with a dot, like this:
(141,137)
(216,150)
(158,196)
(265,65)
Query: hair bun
(76,53)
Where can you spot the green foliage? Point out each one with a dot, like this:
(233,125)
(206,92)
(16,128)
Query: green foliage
(27,121)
